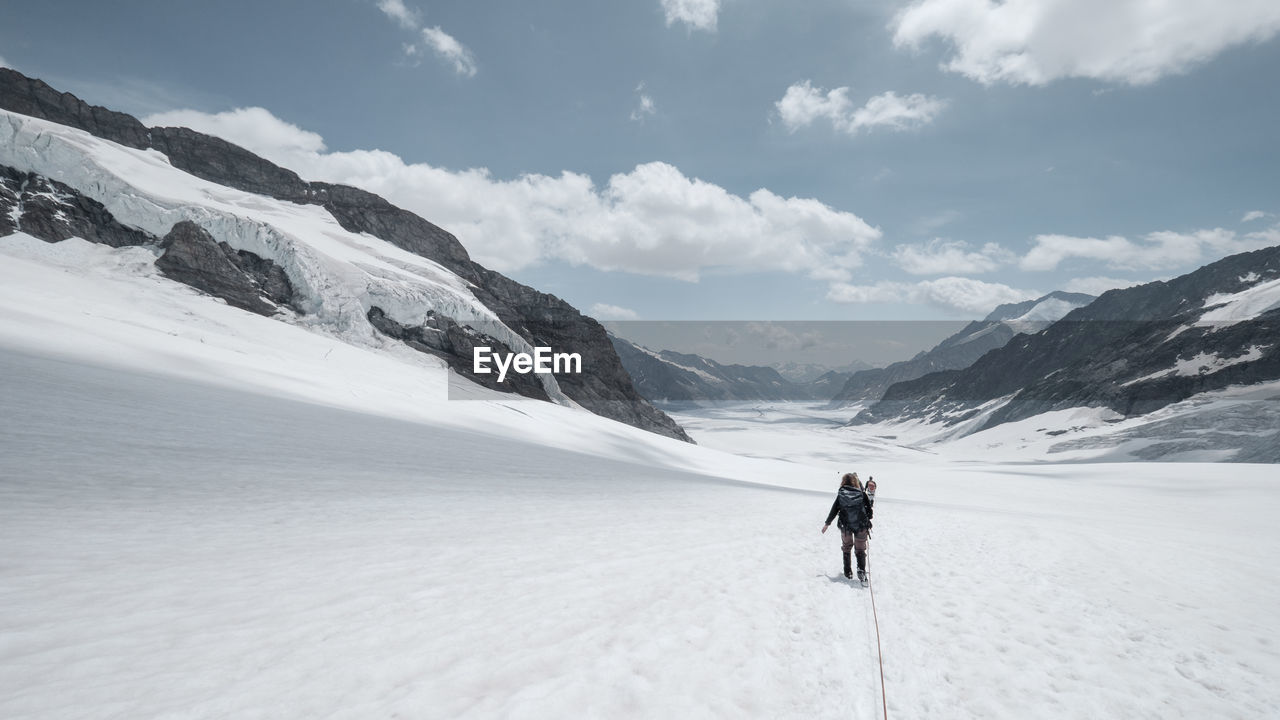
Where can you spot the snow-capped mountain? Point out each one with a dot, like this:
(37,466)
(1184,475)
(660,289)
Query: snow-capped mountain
(1130,352)
(671,378)
(333,259)
(963,348)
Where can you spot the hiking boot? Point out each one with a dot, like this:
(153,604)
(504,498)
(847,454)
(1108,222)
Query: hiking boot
(848,574)
(862,576)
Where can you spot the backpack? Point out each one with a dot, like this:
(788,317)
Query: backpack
(855,508)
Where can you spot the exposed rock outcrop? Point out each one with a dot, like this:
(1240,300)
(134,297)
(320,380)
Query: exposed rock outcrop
(244,280)
(444,338)
(53,212)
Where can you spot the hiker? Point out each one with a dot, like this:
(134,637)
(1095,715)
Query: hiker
(853,505)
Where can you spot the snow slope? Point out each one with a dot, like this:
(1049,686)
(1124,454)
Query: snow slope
(338,274)
(1048,310)
(207,513)
(1232,308)
(110,307)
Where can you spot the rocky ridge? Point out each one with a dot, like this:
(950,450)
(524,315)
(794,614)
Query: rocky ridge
(1133,351)
(538,318)
(963,348)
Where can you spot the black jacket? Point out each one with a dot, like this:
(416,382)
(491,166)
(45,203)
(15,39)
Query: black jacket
(854,508)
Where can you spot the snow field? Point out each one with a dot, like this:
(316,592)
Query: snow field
(212,553)
(206,513)
(1065,590)
(111,308)
(992,617)
(178,550)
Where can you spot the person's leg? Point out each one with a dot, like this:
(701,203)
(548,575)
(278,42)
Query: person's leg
(846,544)
(860,548)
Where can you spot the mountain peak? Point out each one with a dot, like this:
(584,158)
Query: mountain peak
(1055,299)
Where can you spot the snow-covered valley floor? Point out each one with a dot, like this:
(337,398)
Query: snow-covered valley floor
(178,550)
(209,514)
(174,549)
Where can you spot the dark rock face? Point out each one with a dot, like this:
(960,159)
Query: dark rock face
(543,320)
(954,353)
(603,386)
(1129,377)
(443,337)
(1119,352)
(53,212)
(244,280)
(29,96)
(271,280)
(217,160)
(360,211)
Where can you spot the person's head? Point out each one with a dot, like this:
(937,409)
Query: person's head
(852,480)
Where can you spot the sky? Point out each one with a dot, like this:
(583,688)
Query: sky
(744,160)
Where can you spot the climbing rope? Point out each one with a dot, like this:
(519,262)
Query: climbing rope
(884,701)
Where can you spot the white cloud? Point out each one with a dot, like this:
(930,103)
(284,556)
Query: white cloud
(955,295)
(652,220)
(697,14)
(644,105)
(1126,41)
(804,104)
(445,45)
(943,257)
(1165,250)
(1098,284)
(1263,238)
(1254,215)
(898,113)
(252,128)
(396,10)
(451,50)
(604,311)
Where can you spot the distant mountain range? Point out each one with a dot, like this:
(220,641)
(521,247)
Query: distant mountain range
(963,348)
(1132,351)
(669,378)
(798,372)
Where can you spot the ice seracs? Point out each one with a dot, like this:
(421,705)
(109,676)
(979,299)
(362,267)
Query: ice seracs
(337,275)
